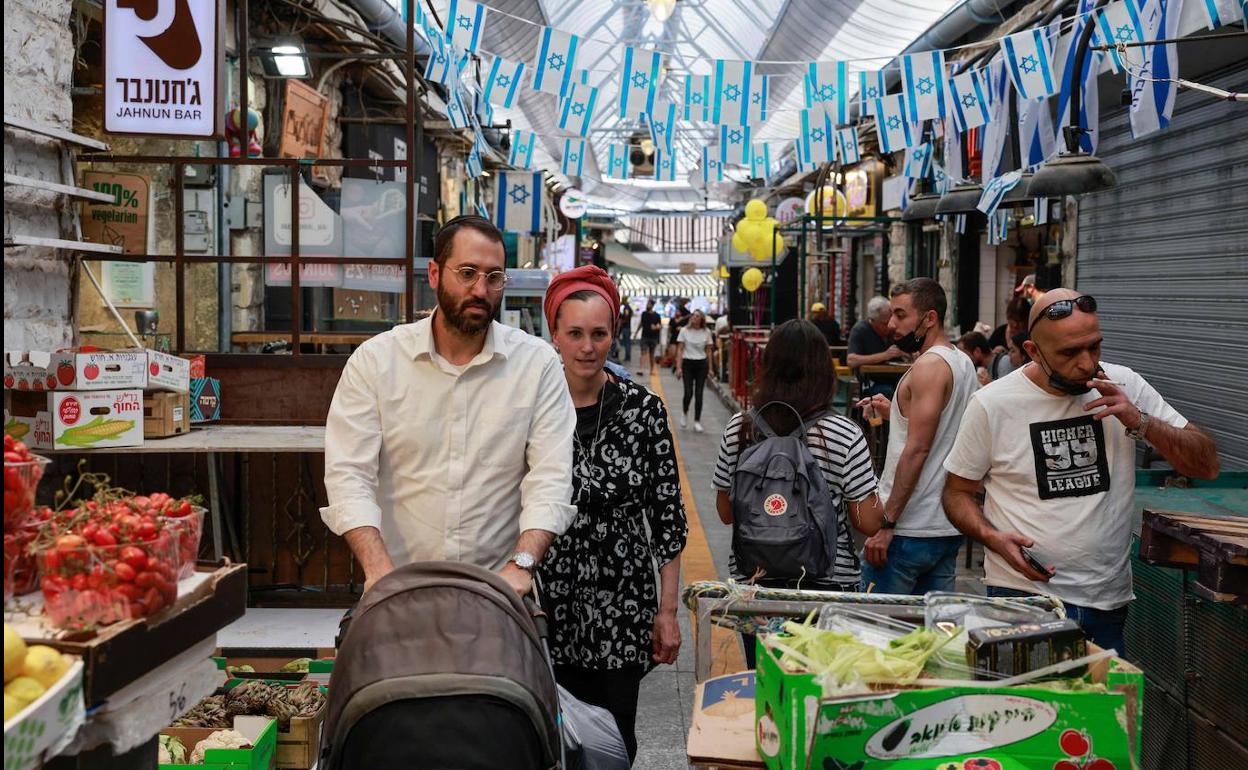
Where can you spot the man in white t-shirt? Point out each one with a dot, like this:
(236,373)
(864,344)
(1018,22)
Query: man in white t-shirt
(1058,473)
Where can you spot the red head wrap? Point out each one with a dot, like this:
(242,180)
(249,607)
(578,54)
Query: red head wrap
(587,278)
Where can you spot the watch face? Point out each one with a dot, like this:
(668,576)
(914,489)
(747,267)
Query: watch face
(524,560)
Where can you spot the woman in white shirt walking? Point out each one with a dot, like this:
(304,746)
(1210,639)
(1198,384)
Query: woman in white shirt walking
(694,348)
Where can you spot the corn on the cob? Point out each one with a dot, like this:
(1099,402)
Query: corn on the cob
(98,429)
(17,430)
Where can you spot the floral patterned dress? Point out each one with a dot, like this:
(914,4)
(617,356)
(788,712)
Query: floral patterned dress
(600,579)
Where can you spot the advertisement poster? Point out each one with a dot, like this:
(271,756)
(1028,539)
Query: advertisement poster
(320,234)
(123,221)
(129,284)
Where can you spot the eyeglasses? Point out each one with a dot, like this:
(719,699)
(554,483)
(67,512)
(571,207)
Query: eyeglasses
(1064,307)
(468,276)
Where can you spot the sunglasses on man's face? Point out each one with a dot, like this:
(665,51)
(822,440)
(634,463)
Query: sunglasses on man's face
(1064,307)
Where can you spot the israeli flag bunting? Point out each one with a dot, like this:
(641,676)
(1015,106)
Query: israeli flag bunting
(573,162)
(995,190)
(732,92)
(662,125)
(923,83)
(818,137)
(1222,12)
(712,169)
(521,153)
(641,77)
(482,211)
(968,101)
(664,166)
(953,157)
(799,152)
(503,82)
(734,145)
(466,22)
(1036,140)
(1152,87)
(757,109)
(1118,22)
(1089,110)
(697,102)
(871,86)
(847,145)
(473,163)
(999,127)
(760,161)
(617,161)
(1030,57)
(919,161)
(554,61)
(827,87)
(518,204)
(577,109)
(940,180)
(455,111)
(892,123)
(438,68)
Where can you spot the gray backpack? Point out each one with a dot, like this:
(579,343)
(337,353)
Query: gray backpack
(784,526)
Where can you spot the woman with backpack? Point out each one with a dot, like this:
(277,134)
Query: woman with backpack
(792,394)
(611,621)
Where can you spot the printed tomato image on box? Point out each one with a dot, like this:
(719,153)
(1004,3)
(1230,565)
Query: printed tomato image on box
(166,372)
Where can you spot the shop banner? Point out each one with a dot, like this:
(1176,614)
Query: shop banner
(123,221)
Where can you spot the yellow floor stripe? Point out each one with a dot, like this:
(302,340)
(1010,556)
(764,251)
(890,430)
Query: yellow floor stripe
(696,562)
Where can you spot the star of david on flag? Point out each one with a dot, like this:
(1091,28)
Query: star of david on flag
(518,202)
(760,161)
(968,100)
(554,61)
(995,190)
(503,82)
(892,124)
(847,145)
(438,68)
(577,109)
(465,24)
(734,145)
(1030,60)
(472,165)
(826,87)
(732,92)
(617,161)
(923,83)
(697,101)
(757,108)
(455,111)
(521,153)
(818,137)
(999,128)
(664,166)
(871,86)
(712,170)
(638,83)
(662,125)
(1118,22)
(918,161)
(573,161)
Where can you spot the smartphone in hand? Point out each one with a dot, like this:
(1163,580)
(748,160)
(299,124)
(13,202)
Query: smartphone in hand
(1033,562)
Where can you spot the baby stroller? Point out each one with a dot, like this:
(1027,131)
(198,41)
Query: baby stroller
(443,666)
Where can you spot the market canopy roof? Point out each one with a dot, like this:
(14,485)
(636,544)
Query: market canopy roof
(619,255)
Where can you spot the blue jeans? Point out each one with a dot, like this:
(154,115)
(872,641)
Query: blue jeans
(626,341)
(915,565)
(1103,627)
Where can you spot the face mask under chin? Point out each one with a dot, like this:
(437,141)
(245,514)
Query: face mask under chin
(1058,382)
(911,343)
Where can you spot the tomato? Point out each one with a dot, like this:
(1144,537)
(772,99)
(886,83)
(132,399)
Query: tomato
(78,582)
(104,538)
(147,530)
(154,600)
(124,572)
(167,588)
(184,509)
(70,542)
(145,579)
(128,591)
(134,556)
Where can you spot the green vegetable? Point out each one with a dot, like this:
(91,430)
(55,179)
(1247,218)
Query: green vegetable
(298,665)
(243,669)
(17,430)
(172,750)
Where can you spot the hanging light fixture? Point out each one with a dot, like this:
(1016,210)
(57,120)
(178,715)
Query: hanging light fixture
(922,206)
(1019,193)
(962,199)
(285,59)
(661,10)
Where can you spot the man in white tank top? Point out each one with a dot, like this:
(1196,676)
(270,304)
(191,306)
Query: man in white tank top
(916,550)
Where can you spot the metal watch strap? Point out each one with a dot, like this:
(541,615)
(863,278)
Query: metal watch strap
(1141,429)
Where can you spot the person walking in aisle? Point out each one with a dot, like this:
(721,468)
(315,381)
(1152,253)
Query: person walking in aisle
(610,619)
(625,333)
(651,329)
(695,350)
(916,549)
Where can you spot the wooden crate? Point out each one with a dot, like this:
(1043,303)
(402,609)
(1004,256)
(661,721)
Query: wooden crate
(1215,546)
(166,414)
(297,748)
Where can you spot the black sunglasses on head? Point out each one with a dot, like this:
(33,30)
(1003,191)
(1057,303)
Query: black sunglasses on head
(1064,307)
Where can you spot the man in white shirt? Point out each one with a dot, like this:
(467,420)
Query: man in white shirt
(451,438)
(1058,473)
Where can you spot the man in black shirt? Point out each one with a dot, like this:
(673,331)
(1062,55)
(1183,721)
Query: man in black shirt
(625,331)
(651,325)
(870,342)
(825,323)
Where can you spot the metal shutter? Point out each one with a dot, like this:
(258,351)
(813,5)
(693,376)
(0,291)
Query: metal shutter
(1165,253)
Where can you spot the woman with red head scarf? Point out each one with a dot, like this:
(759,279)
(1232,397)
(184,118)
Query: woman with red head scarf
(610,621)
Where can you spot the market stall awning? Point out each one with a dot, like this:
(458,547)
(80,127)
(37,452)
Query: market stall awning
(621,257)
(667,285)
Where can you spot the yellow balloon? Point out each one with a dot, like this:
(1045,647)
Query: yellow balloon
(755,210)
(740,242)
(751,279)
(834,202)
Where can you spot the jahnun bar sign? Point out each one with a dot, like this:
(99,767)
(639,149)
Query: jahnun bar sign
(162,67)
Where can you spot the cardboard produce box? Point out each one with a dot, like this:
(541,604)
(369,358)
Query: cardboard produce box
(168,372)
(46,725)
(261,731)
(81,419)
(36,370)
(205,399)
(198,364)
(979,728)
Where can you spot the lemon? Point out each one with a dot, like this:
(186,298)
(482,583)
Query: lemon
(24,691)
(14,653)
(12,707)
(44,664)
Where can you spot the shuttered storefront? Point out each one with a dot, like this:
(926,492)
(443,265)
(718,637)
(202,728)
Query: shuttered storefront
(1165,253)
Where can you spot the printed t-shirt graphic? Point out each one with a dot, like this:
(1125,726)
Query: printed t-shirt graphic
(1070,457)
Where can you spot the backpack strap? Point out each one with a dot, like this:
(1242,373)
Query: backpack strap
(756,416)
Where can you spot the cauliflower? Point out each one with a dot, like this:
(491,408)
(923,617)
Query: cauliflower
(171,751)
(221,739)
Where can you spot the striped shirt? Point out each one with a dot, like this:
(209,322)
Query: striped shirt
(841,451)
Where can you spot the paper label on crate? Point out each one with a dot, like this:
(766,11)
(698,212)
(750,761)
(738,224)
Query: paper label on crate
(962,725)
(70,411)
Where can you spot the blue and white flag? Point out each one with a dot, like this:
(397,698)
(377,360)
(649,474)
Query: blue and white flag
(712,170)
(617,161)
(573,161)
(871,86)
(482,211)
(954,166)
(1222,12)
(732,85)
(919,161)
(1030,56)
(576,110)
(455,111)
(1152,87)
(639,82)
(799,154)
(847,145)
(734,145)
(521,153)
(465,21)
(1117,22)
(818,137)
(472,165)
(554,63)
(518,204)
(995,190)
(1089,108)
(940,180)
(697,102)
(827,88)
(760,161)
(662,125)
(1036,140)
(892,124)
(968,100)
(664,166)
(503,82)
(923,83)
(439,67)
(999,128)
(757,109)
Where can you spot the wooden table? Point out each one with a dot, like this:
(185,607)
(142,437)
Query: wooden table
(305,338)
(883,369)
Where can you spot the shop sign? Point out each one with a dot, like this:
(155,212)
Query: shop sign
(162,67)
(789,209)
(129,284)
(572,203)
(374,278)
(858,193)
(894,187)
(124,220)
(278,274)
(303,121)
(320,234)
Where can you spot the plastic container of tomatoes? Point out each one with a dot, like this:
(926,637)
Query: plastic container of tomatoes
(22,472)
(189,530)
(87,586)
(21,569)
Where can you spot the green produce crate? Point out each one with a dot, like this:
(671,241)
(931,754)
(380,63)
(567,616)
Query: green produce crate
(261,731)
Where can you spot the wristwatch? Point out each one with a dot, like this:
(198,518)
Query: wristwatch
(887,523)
(1141,429)
(524,560)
